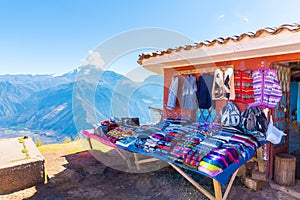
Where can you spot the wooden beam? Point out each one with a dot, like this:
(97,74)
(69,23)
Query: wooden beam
(230,184)
(147,160)
(137,164)
(90,142)
(218,190)
(194,183)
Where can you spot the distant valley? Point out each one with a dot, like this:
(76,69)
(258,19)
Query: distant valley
(51,108)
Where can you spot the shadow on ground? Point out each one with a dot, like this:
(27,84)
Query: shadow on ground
(87,178)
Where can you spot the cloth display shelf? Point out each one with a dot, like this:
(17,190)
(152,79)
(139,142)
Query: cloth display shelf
(183,147)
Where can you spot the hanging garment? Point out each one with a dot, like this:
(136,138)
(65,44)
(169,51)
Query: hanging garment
(189,89)
(204,90)
(267,90)
(223,84)
(172,95)
(243,86)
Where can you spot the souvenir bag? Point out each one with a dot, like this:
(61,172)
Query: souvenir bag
(230,115)
(253,119)
(273,134)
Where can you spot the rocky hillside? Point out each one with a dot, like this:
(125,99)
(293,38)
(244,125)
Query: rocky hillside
(62,106)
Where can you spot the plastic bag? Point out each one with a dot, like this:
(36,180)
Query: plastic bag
(273,134)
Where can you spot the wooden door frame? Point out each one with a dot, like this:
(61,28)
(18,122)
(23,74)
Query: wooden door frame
(283,148)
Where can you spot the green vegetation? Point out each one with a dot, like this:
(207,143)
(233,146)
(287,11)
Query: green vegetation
(24,150)
(21,140)
(38,143)
(64,148)
(67,140)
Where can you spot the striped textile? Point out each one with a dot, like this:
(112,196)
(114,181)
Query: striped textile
(243,86)
(267,90)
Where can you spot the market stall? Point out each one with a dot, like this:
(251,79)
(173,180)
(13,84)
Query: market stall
(276,47)
(209,149)
(219,97)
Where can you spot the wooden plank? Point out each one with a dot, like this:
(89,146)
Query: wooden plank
(193,182)
(136,158)
(242,172)
(90,142)
(218,190)
(260,160)
(230,184)
(253,184)
(147,160)
(257,175)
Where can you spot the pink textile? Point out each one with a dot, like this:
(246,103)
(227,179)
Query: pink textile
(99,138)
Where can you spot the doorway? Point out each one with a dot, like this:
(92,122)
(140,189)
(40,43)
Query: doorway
(285,114)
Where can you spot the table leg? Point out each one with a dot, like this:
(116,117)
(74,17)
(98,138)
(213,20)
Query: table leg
(218,191)
(193,182)
(90,142)
(136,159)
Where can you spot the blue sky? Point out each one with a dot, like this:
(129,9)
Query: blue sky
(47,36)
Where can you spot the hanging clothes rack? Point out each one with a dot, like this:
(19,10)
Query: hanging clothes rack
(200,70)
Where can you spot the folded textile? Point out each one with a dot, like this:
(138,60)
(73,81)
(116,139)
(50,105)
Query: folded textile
(126,141)
(209,167)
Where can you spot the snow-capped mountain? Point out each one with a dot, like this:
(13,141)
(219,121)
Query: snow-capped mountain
(64,105)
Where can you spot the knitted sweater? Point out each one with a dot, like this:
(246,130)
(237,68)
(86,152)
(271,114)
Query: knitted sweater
(243,86)
(204,91)
(189,89)
(223,85)
(267,90)
(172,95)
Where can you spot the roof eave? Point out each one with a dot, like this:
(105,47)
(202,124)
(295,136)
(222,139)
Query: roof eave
(265,45)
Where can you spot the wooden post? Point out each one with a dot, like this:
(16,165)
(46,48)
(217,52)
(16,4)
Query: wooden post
(284,169)
(90,142)
(218,190)
(136,159)
(260,160)
(230,185)
(194,183)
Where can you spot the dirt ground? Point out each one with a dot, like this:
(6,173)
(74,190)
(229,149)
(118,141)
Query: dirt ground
(81,176)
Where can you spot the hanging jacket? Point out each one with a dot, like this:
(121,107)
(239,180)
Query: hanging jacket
(267,90)
(204,91)
(243,86)
(172,95)
(189,98)
(223,85)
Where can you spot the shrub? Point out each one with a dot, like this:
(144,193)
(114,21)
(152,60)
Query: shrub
(67,140)
(38,143)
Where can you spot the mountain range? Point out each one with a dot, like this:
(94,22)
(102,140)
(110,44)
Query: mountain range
(57,107)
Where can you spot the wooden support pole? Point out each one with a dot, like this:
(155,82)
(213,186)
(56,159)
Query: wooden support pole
(136,159)
(147,160)
(218,190)
(90,142)
(194,183)
(260,160)
(230,185)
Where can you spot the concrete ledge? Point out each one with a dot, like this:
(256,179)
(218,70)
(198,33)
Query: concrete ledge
(19,170)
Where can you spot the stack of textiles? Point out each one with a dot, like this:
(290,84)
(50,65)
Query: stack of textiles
(209,148)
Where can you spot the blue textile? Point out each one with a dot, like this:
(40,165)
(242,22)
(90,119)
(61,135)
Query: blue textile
(222,177)
(172,145)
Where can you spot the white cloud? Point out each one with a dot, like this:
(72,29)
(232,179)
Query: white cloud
(243,18)
(221,16)
(95,59)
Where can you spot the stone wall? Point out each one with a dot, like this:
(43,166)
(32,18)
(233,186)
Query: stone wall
(21,176)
